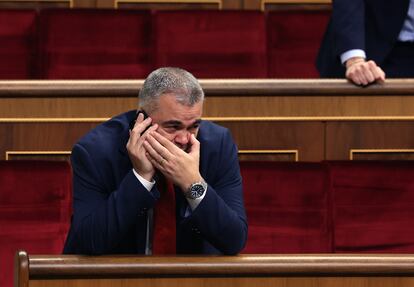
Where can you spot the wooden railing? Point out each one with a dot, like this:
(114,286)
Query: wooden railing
(307,120)
(332,270)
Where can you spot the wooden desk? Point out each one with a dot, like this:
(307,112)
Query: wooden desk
(331,270)
(306,120)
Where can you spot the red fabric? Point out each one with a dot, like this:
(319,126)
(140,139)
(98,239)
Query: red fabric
(35,210)
(294,38)
(287,207)
(212,44)
(94,44)
(17,37)
(373,206)
(164,241)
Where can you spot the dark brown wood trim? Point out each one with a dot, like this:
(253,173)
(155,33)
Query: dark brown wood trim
(21,269)
(222,87)
(245,265)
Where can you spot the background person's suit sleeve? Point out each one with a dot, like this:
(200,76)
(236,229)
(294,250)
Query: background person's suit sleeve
(348,24)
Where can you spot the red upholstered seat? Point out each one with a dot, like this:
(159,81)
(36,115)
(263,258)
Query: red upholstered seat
(287,207)
(94,44)
(212,44)
(294,38)
(35,210)
(17,49)
(373,205)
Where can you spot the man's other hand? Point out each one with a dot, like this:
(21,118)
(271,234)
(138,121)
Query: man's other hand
(176,164)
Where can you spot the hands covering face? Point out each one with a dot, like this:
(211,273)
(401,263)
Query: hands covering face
(179,166)
(152,151)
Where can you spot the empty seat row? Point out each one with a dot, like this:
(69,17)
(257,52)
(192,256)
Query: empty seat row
(332,206)
(128,44)
(35,210)
(292,207)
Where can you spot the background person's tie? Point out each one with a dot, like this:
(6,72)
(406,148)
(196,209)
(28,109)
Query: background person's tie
(164,240)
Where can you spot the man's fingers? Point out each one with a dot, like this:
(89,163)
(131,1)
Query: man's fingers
(144,136)
(195,144)
(154,161)
(141,125)
(153,153)
(172,148)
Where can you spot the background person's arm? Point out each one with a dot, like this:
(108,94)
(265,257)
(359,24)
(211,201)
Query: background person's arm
(348,19)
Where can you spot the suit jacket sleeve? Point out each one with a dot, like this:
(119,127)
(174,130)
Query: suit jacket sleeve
(102,217)
(220,217)
(348,24)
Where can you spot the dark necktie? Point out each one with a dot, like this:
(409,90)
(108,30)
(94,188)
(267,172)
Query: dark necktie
(164,240)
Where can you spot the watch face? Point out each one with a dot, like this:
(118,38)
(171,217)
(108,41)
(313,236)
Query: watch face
(196,191)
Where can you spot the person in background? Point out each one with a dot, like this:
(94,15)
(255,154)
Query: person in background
(368,40)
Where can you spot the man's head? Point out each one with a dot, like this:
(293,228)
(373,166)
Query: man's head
(173,98)
(168,80)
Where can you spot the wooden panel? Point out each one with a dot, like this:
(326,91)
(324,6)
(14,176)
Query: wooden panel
(307,138)
(38,155)
(171,3)
(381,154)
(268,155)
(46,138)
(36,4)
(169,6)
(342,137)
(275,115)
(295,4)
(258,140)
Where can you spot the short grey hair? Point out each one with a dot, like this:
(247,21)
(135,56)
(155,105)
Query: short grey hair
(179,82)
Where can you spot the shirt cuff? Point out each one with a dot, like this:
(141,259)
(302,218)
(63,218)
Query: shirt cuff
(351,54)
(147,184)
(193,203)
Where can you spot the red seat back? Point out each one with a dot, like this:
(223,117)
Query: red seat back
(17,43)
(94,44)
(373,204)
(287,207)
(294,38)
(35,210)
(212,44)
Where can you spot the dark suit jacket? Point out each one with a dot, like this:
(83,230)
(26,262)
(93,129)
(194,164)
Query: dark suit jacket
(370,25)
(110,204)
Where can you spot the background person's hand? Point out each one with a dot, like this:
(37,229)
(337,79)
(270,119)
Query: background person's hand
(179,166)
(136,150)
(362,72)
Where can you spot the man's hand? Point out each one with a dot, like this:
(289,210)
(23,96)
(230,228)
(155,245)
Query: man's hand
(363,73)
(177,165)
(136,150)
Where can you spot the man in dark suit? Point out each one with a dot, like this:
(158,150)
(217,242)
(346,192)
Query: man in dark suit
(367,37)
(115,168)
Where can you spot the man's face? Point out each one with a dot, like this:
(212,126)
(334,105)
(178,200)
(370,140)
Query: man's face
(176,121)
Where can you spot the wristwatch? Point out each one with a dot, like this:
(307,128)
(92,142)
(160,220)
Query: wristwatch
(196,190)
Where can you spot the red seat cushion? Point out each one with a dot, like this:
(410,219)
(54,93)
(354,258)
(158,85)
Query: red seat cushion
(287,207)
(294,38)
(35,210)
(17,48)
(212,44)
(95,44)
(373,205)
